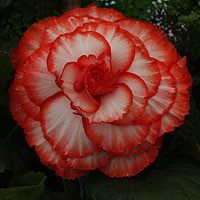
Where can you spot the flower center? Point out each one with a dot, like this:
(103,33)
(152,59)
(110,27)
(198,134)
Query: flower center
(95,77)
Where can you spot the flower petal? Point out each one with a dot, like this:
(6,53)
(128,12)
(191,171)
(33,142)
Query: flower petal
(64,129)
(79,99)
(15,107)
(147,69)
(66,173)
(183,78)
(15,57)
(107,14)
(38,81)
(154,132)
(122,47)
(94,161)
(140,94)
(35,137)
(28,106)
(70,46)
(153,38)
(33,37)
(114,105)
(70,173)
(160,103)
(64,24)
(181,106)
(115,138)
(126,167)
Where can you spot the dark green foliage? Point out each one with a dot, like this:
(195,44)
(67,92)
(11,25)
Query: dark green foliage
(24,187)
(20,15)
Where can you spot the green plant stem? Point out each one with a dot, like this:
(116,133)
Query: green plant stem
(72,189)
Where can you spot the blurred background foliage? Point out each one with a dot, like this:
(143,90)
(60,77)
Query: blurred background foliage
(22,175)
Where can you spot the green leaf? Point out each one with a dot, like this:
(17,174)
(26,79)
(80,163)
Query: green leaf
(15,154)
(172,181)
(26,187)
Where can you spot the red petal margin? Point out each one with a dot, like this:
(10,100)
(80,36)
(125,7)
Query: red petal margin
(126,167)
(181,106)
(28,106)
(115,138)
(35,137)
(38,81)
(70,46)
(114,105)
(144,146)
(92,162)
(147,69)
(79,99)
(153,38)
(15,107)
(70,173)
(33,37)
(15,57)
(122,47)
(140,94)
(107,14)
(66,173)
(64,24)
(64,129)
(162,101)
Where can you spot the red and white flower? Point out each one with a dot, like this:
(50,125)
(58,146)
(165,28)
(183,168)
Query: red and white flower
(96,90)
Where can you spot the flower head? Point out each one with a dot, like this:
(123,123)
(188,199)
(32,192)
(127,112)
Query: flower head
(96,90)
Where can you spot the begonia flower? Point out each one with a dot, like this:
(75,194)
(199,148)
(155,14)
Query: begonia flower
(96,90)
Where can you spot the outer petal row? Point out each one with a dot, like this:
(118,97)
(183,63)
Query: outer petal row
(153,38)
(107,14)
(130,166)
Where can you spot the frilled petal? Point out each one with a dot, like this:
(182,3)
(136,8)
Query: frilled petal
(79,99)
(131,166)
(70,173)
(147,69)
(153,38)
(15,107)
(94,161)
(122,47)
(161,102)
(35,137)
(66,173)
(15,57)
(28,106)
(70,46)
(114,105)
(64,129)
(115,138)
(107,14)
(33,37)
(140,100)
(64,24)
(181,106)
(183,78)
(154,132)
(38,81)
